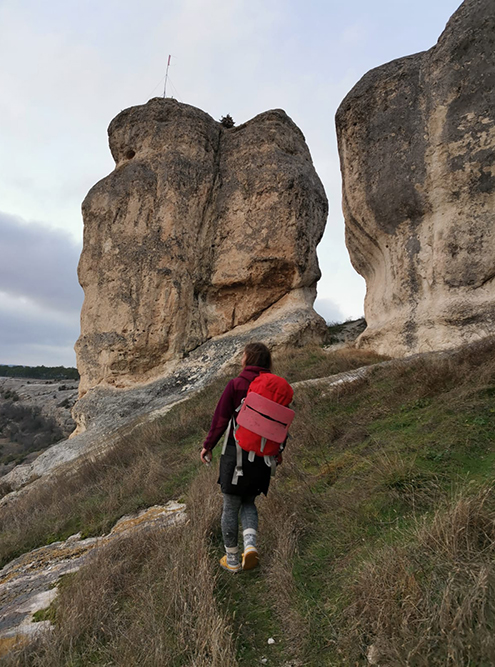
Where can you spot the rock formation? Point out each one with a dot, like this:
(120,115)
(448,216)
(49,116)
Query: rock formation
(29,583)
(417,147)
(200,230)
(106,414)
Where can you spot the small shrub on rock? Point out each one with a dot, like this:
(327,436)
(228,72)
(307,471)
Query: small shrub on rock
(227,121)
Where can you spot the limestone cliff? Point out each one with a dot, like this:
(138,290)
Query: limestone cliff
(417,147)
(198,231)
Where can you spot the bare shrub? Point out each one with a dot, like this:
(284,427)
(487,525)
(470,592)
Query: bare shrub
(27,426)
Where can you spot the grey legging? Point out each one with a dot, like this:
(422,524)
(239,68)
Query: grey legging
(230,518)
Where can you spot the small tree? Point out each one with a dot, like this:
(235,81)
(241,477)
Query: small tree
(227,121)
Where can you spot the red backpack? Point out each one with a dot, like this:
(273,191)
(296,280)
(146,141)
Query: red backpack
(264,418)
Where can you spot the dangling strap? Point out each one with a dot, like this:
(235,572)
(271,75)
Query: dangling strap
(238,468)
(232,422)
(251,456)
(263,443)
(226,439)
(238,464)
(271,463)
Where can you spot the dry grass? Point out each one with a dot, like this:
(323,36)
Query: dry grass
(412,604)
(284,524)
(146,600)
(132,475)
(150,466)
(431,601)
(404,481)
(428,375)
(310,362)
(355,552)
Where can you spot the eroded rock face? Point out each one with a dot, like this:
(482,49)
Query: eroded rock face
(198,230)
(417,147)
(106,414)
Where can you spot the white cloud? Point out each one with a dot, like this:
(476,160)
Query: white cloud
(33,335)
(39,263)
(329,311)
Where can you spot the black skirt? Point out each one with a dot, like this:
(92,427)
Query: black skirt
(255,478)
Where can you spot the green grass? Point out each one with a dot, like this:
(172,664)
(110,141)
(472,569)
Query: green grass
(254,621)
(371,463)
(47,614)
(154,464)
(392,452)
(378,530)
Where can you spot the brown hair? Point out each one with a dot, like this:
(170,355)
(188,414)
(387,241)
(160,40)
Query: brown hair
(257,354)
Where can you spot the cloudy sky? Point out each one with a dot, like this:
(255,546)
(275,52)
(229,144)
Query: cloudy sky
(68,67)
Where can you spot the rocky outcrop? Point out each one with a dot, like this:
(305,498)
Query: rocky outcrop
(417,147)
(28,584)
(199,231)
(106,414)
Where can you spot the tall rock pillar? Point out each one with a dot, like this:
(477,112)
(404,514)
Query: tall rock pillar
(198,231)
(417,147)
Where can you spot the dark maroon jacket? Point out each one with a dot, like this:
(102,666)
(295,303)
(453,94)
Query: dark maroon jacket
(229,401)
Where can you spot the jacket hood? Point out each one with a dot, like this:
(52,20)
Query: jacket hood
(250,372)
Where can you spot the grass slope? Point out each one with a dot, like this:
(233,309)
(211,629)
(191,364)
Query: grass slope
(377,537)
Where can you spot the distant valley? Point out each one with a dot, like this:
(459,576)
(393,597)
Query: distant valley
(34,414)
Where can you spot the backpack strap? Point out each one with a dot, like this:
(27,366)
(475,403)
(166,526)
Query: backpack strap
(226,439)
(271,463)
(232,423)
(238,472)
(238,464)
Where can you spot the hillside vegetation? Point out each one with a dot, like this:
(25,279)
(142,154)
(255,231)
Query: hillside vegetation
(377,537)
(39,372)
(23,429)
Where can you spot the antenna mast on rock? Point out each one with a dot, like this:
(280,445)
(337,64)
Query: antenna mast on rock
(166,77)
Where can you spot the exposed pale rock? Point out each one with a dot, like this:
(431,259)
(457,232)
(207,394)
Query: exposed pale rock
(107,413)
(198,231)
(344,334)
(28,583)
(417,147)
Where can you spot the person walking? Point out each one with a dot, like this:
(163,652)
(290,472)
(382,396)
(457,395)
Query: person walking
(239,496)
